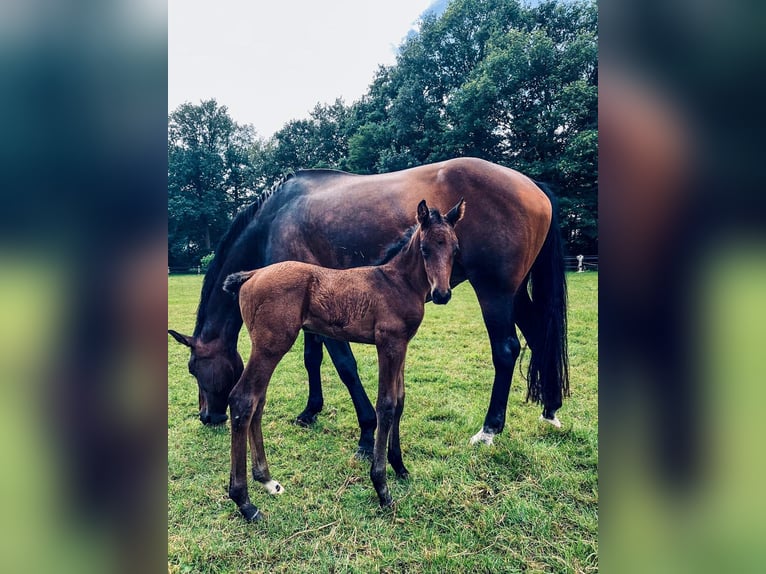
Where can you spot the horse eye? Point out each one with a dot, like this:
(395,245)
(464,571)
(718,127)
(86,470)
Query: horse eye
(425,251)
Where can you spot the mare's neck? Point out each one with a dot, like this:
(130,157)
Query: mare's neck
(219,318)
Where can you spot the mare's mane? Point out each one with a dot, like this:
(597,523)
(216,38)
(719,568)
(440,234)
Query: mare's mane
(238,225)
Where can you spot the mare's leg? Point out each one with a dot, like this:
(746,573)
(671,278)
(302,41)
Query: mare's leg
(312,360)
(497,310)
(345,364)
(531,326)
(394,446)
(390,363)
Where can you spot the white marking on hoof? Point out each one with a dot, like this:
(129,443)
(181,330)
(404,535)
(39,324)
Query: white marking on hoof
(273,487)
(483,437)
(554,421)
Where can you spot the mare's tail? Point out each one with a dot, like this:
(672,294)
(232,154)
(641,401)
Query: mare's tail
(548,373)
(233,282)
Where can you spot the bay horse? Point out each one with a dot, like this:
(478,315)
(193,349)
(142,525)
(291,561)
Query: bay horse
(510,253)
(378,305)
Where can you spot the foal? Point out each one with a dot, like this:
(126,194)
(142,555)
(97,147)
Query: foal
(381,305)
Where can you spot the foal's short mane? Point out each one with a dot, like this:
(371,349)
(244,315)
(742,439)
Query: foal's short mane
(396,247)
(238,225)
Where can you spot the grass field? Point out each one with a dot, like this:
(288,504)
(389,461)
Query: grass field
(529,503)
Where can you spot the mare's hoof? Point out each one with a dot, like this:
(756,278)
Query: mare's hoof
(305,420)
(554,421)
(363,454)
(251,513)
(405,475)
(386,501)
(483,438)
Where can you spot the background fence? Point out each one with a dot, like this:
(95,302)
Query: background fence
(589,263)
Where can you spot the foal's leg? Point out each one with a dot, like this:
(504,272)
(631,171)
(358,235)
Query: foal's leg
(270,343)
(258,453)
(246,401)
(345,364)
(497,310)
(312,360)
(394,446)
(390,363)
(242,406)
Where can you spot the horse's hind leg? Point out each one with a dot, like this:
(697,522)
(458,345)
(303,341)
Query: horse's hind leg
(531,327)
(258,453)
(242,406)
(246,402)
(497,310)
(345,364)
(312,360)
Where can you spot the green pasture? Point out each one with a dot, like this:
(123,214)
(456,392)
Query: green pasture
(529,503)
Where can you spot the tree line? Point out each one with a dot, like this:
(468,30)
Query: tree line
(497,79)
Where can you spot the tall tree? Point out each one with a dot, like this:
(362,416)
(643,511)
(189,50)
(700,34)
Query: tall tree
(503,80)
(209,177)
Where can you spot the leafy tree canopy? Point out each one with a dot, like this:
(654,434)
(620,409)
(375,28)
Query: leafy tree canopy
(498,79)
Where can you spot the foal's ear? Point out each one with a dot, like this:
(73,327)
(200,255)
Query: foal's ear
(456,213)
(424,216)
(183,339)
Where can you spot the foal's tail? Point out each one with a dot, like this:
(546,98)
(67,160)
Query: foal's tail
(548,374)
(233,282)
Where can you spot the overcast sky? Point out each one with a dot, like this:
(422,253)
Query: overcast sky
(271,61)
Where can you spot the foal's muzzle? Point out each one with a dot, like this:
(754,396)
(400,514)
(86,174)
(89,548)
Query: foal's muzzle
(441,297)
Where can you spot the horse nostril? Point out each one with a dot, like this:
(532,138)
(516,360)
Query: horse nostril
(441,297)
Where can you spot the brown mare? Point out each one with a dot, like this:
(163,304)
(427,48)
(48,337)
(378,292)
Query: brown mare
(377,305)
(510,253)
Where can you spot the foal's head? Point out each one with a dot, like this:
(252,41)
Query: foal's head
(438,245)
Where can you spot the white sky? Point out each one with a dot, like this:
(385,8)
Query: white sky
(270,62)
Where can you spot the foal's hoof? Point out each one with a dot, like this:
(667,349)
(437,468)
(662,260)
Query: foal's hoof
(250,512)
(386,501)
(305,419)
(404,475)
(554,421)
(273,487)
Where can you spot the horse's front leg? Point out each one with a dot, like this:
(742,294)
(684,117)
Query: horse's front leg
(394,446)
(497,309)
(312,361)
(345,363)
(390,363)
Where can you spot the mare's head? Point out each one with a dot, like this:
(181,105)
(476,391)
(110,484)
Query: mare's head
(439,245)
(217,370)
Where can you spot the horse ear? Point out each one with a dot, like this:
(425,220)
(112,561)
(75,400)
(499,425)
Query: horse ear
(424,216)
(183,339)
(456,213)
